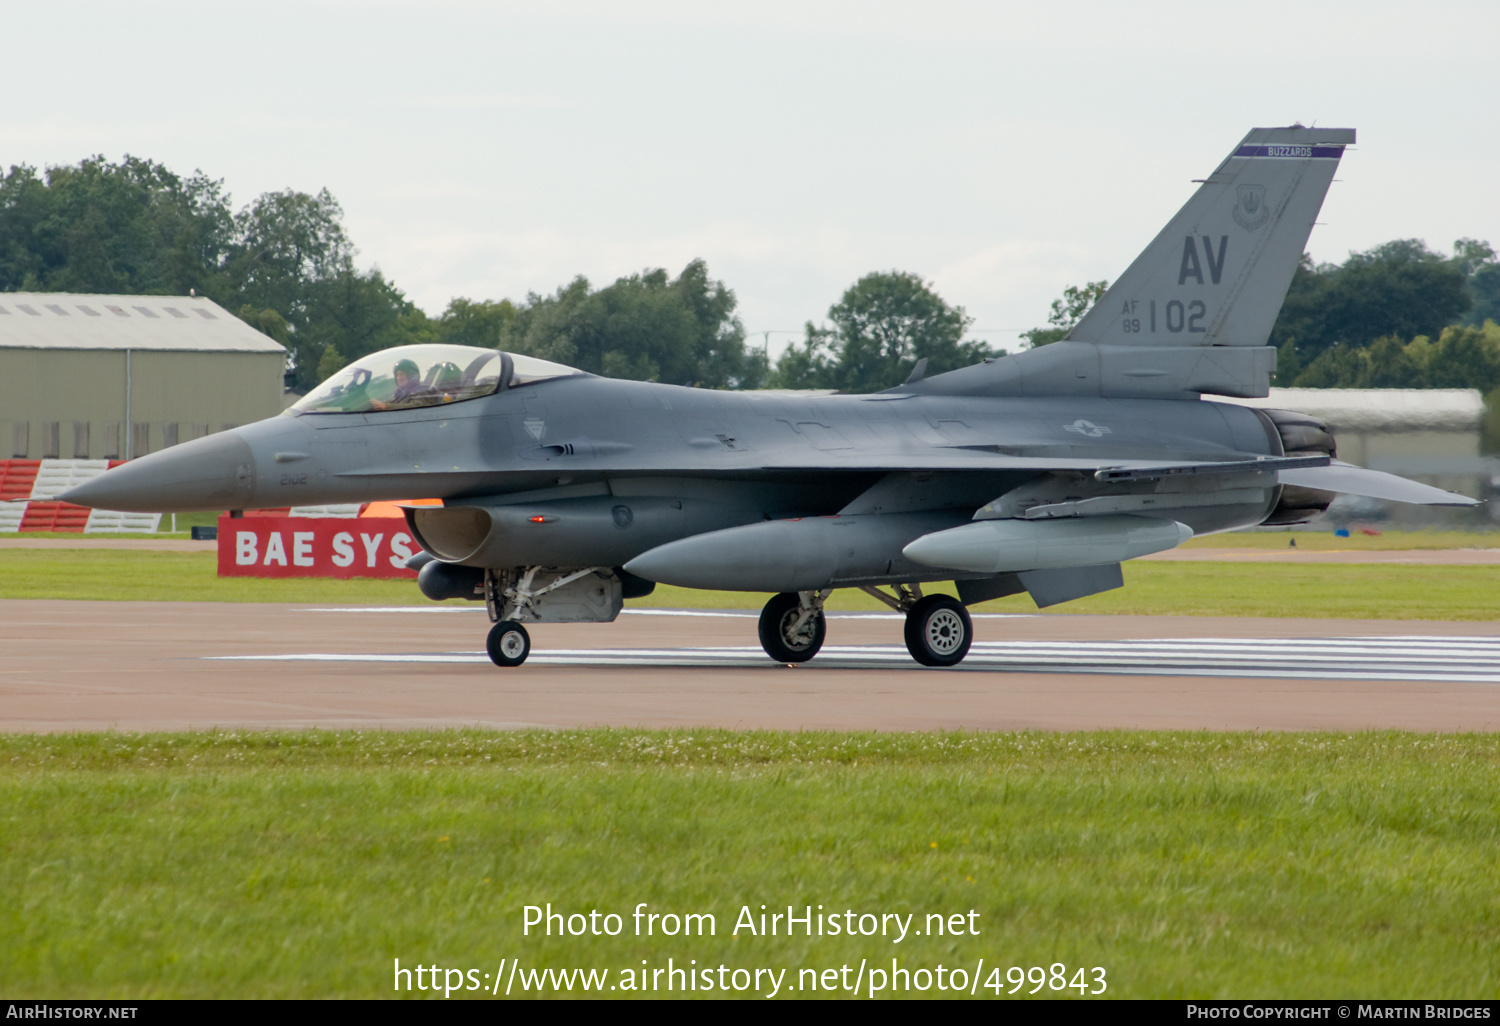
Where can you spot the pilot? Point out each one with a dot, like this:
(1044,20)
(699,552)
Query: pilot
(409,387)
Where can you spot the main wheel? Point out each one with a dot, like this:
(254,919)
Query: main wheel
(777,637)
(508,643)
(939,631)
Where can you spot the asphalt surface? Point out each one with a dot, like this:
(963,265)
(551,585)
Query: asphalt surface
(164,666)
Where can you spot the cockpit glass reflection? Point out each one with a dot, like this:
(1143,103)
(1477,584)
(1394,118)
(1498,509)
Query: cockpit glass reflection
(409,377)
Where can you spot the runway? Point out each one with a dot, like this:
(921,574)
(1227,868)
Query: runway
(1410,658)
(159,666)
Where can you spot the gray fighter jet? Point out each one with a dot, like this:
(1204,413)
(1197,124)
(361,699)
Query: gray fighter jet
(565,493)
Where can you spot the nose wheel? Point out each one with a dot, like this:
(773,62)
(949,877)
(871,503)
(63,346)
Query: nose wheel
(508,643)
(939,631)
(791,629)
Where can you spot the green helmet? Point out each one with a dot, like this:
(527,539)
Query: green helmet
(410,369)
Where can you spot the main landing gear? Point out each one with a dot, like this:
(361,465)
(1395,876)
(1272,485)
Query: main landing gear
(938,629)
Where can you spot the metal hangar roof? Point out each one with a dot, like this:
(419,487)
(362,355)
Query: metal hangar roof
(66,320)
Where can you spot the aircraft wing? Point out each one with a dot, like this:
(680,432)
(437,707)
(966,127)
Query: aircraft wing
(586,457)
(1104,468)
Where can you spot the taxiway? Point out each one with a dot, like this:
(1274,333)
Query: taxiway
(166,666)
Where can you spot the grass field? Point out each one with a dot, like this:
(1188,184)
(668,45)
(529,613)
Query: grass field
(1184,864)
(1327,541)
(1392,591)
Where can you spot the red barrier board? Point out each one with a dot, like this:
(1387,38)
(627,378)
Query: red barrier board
(16,479)
(54,516)
(314,547)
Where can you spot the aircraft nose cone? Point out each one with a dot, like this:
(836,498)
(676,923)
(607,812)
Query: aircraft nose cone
(216,472)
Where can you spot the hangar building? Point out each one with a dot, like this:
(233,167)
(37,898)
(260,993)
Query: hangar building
(115,377)
(1429,433)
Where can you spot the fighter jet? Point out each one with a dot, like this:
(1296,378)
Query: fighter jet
(565,493)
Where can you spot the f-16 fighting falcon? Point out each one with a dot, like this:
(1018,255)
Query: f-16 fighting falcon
(565,493)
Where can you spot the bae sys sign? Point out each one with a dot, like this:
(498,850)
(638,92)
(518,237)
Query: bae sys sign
(315,547)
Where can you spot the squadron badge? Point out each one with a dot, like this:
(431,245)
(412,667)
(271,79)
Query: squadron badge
(1251,211)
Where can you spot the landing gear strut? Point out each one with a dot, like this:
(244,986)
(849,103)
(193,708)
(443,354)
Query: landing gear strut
(792,626)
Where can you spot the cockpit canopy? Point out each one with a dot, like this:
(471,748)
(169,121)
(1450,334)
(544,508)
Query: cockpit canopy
(408,377)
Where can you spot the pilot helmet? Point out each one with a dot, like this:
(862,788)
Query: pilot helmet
(410,369)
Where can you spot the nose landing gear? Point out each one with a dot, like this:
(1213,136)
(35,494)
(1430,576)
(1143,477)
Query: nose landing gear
(512,595)
(792,626)
(508,643)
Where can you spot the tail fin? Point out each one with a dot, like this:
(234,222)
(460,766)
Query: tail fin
(1219,271)
(1193,312)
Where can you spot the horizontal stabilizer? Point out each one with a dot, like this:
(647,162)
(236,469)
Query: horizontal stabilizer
(1374,484)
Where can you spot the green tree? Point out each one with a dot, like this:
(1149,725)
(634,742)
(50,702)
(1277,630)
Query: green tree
(882,326)
(1389,363)
(1066,312)
(292,255)
(267,322)
(1484,286)
(284,242)
(133,228)
(356,314)
(470,323)
(1478,262)
(645,327)
(1334,367)
(330,363)
(284,261)
(1288,363)
(1466,357)
(1399,288)
(1461,357)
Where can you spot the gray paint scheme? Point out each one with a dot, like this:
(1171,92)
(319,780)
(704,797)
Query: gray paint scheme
(792,493)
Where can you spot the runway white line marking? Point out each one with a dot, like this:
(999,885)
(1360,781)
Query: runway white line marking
(654,612)
(1455,659)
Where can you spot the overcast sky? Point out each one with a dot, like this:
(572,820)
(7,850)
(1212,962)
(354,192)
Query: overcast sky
(1000,151)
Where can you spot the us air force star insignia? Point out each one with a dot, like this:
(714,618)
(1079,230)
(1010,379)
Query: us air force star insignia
(1251,211)
(535,427)
(1087,428)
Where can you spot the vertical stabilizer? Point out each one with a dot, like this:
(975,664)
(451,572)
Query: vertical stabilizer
(1193,313)
(1217,274)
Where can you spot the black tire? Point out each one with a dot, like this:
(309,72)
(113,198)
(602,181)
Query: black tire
(780,613)
(508,644)
(939,631)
